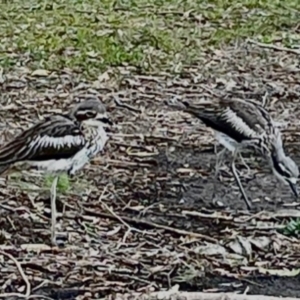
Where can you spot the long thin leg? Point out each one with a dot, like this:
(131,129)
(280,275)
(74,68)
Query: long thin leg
(237,179)
(219,160)
(53,210)
(244,163)
(216,147)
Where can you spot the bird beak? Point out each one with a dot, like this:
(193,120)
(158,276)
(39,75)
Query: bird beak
(293,186)
(107,121)
(103,118)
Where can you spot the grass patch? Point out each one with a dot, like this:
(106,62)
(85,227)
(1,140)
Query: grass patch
(90,36)
(63,183)
(292,228)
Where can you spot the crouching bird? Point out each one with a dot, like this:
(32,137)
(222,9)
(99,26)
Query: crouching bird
(240,124)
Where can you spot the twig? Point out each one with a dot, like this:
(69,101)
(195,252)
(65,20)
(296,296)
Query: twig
(121,104)
(40,297)
(125,164)
(129,228)
(210,91)
(214,215)
(153,225)
(25,279)
(265,99)
(274,47)
(169,295)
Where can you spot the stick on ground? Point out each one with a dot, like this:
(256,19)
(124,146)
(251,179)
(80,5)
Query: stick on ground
(25,279)
(194,296)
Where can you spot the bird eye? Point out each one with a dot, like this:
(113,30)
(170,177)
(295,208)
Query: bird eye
(90,114)
(84,115)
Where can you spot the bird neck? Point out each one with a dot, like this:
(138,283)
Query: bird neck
(277,148)
(96,128)
(279,152)
(276,155)
(96,138)
(275,144)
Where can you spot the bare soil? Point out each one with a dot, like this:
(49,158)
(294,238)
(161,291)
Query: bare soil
(149,214)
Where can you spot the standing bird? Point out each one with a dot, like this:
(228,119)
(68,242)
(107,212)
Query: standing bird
(61,143)
(238,124)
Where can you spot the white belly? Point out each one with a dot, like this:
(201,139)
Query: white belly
(53,165)
(73,164)
(226,141)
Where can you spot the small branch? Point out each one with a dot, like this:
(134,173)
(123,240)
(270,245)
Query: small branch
(124,164)
(214,215)
(25,279)
(170,295)
(40,297)
(274,47)
(153,225)
(121,104)
(265,99)
(210,91)
(129,228)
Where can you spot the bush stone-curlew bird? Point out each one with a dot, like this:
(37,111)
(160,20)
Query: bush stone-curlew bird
(61,143)
(238,124)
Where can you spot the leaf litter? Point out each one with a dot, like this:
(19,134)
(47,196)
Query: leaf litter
(128,229)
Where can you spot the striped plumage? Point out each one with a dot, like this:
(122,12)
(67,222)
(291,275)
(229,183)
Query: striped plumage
(238,123)
(244,122)
(59,143)
(55,137)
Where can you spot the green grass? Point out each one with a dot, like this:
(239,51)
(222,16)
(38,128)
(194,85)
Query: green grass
(90,36)
(292,228)
(63,183)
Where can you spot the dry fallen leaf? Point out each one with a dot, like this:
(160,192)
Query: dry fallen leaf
(280,272)
(40,73)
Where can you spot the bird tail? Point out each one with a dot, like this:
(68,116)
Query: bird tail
(177,104)
(188,108)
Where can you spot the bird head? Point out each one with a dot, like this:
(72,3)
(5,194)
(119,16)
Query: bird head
(91,112)
(285,170)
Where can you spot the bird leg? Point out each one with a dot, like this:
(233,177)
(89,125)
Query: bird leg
(53,210)
(219,161)
(244,163)
(237,179)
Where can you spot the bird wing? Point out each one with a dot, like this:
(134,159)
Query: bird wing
(238,119)
(54,138)
(250,117)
